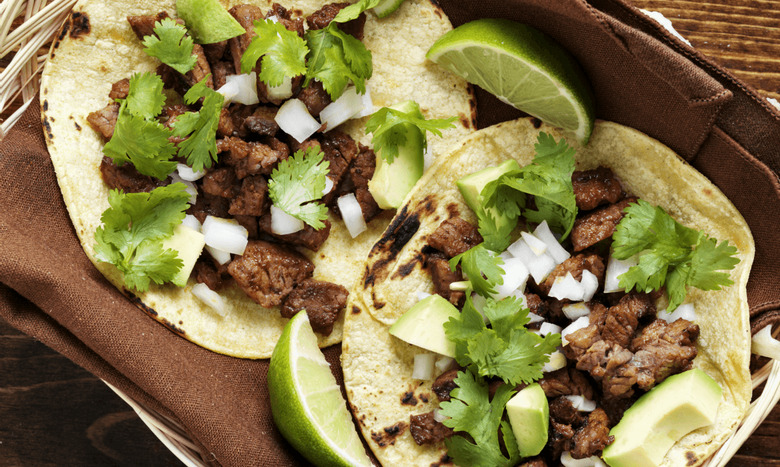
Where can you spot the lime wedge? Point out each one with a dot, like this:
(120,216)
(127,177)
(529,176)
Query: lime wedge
(523,67)
(306,401)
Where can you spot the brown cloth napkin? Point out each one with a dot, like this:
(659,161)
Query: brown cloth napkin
(642,77)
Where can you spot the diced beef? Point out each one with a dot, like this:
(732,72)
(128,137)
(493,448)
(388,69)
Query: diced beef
(426,430)
(615,407)
(315,97)
(593,437)
(563,411)
(322,17)
(126,177)
(262,121)
(360,173)
(202,69)
(231,120)
(575,265)
(622,319)
(607,363)
(559,439)
(566,382)
(246,15)
(444,384)
(169,116)
(663,349)
(268,272)
(209,273)
(285,18)
(252,158)
(309,237)
(143,25)
(534,462)
(221,182)
(595,187)
(443,276)
(597,225)
(120,89)
(454,236)
(249,223)
(104,120)
(252,197)
(171,79)
(339,149)
(322,301)
(221,70)
(209,205)
(215,51)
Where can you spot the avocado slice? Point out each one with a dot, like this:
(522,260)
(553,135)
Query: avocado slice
(208,21)
(393,181)
(423,325)
(681,404)
(529,415)
(471,187)
(188,244)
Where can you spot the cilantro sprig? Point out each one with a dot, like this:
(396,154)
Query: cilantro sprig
(282,53)
(506,349)
(482,267)
(390,128)
(172,45)
(200,148)
(335,58)
(297,181)
(670,254)
(471,410)
(547,178)
(134,227)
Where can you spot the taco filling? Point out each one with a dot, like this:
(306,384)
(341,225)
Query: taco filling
(561,299)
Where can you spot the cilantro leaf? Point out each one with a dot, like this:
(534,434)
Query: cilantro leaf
(133,229)
(470,410)
(145,96)
(298,180)
(200,148)
(144,143)
(482,267)
(283,53)
(353,11)
(336,58)
(670,254)
(390,128)
(171,45)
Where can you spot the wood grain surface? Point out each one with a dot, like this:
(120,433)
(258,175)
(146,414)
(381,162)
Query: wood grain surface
(54,413)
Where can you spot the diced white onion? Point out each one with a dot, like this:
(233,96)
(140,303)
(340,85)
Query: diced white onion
(549,328)
(684,311)
(554,248)
(342,109)
(186,172)
(190,187)
(427,158)
(557,361)
(222,257)
(423,366)
(582,404)
(328,186)
(422,295)
(209,297)
(515,277)
(225,234)
(575,310)
(352,214)
(581,322)
(591,461)
(540,267)
(766,345)
(616,267)
(590,284)
(439,416)
(294,119)
(460,285)
(283,223)
(191,222)
(520,249)
(283,91)
(567,287)
(534,318)
(444,363)
(368,104)
(505,255)
(536,245)
(273,19)
(240,88)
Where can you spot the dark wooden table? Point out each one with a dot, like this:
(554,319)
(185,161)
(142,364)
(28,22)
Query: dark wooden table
(54,413)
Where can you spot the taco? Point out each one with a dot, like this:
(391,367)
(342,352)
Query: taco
(402,417)
(89,72)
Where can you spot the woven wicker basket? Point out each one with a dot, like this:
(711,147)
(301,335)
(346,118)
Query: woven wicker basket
(26,30)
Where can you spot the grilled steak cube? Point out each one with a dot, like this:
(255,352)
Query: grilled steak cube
(598,225)
(322,301)
(454,236)
(595,187)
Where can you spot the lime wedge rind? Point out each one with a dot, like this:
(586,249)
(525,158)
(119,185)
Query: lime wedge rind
(306,401)
(523,68)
